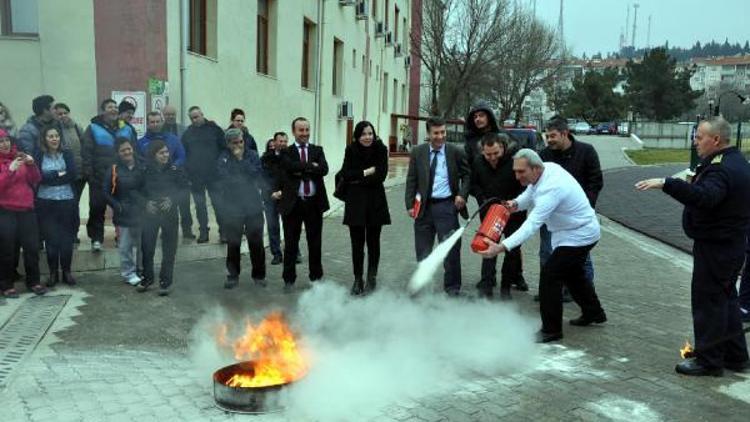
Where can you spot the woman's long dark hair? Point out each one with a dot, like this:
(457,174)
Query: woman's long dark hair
(360,127)
(43,139)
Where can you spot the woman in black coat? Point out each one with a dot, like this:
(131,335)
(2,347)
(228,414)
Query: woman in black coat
(366,211)
(122,188)
(163,185)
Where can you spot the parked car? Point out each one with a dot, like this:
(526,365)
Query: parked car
(581,128)
(606,129)
(623,129)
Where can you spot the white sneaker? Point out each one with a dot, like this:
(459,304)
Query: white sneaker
(96,246)
(133,279)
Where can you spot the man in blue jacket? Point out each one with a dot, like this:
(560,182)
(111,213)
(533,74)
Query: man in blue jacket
(155,130)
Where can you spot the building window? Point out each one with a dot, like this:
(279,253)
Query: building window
(354,58)
(406,36)
(375,9)
(338,66)
(403,99)
(387,14)
(395,94)
(395,24)
(203,27)
(20,17)
(308,49)
(261,52)
(384,84)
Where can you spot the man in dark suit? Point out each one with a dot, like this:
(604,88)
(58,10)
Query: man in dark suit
(439,174)
(303,200)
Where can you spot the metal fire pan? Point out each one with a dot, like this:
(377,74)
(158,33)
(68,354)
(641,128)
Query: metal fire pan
(251,400)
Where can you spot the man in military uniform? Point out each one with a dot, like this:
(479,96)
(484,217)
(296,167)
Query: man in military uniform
(716,217)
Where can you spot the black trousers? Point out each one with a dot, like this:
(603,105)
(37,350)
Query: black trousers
(97,208)
(251,226)
(716,313)
(78,186)
(152,224)
(441,219)
(307,213)
(512,269)
(59,223)
(186,219)
(566,267)
(198,189)
(361,235)
(18,228)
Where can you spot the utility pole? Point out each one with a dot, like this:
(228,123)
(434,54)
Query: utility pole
(635,19)
(648,33)
(560,24)
(627,25)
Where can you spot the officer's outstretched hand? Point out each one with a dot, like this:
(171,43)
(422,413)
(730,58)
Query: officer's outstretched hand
(650,184)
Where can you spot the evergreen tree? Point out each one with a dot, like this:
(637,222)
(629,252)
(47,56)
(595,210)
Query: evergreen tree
(657,89)
(593,98)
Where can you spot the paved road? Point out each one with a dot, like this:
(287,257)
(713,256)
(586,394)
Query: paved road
(610,149)
(113,354)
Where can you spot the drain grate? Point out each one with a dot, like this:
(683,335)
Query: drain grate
(24,329)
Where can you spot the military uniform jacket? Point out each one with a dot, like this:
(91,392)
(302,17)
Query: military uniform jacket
(717,202)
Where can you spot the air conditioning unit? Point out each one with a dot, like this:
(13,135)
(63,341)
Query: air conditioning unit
(345,110)
(361,10)
(397,50)
(347,2)
(379,29)
(389,39)
(407,61)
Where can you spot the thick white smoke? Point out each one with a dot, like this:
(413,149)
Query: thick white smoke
(368,353)
(427,267)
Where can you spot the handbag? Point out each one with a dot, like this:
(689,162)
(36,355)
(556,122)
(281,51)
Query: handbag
(340,191)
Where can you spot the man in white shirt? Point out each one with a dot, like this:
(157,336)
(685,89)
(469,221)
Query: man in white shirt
(557,200)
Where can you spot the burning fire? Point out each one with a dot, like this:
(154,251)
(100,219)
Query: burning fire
(687,350)
(273,354)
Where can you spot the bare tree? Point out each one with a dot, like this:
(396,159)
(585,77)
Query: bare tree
(460,39)
(531,63)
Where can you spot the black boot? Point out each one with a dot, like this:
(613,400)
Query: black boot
(203,236)
(358,286)
(371,281)
(68,278)
(54,278)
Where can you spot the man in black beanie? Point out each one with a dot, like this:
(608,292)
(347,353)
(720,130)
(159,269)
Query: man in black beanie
(28,135)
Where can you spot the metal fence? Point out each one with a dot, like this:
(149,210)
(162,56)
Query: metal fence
(663,135)
(678,135)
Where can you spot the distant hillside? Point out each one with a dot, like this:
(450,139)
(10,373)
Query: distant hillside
(710,49)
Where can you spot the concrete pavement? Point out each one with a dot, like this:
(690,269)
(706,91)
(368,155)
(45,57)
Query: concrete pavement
(112,354)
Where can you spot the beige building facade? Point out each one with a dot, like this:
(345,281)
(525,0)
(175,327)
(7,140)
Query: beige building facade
(333,61)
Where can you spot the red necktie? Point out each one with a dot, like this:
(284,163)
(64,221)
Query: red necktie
(305,183)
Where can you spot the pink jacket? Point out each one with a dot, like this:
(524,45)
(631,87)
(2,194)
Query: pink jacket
(17,187)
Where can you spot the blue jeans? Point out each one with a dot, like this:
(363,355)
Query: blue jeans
(545,251)
(272,224)
(130,239)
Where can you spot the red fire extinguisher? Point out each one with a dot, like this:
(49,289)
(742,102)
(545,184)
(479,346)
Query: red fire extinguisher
(491,228)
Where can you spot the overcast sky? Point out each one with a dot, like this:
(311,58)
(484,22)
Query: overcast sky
(595,25)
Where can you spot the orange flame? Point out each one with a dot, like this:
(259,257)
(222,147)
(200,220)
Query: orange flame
(272,349)
(687,350)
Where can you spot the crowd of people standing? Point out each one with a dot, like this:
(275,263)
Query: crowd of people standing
(148,181)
